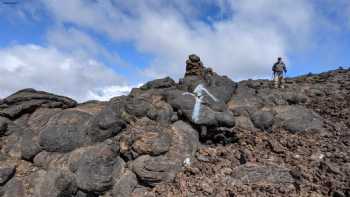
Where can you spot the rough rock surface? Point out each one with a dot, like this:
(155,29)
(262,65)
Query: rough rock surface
(65,131)
(27,100)
(6,172)
(94,169)
(203,136)
(55,183)
(166,82)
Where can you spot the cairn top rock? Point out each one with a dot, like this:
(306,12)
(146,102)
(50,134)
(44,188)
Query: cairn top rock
(194,58)
(194,66)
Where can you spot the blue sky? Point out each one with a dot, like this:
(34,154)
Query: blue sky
(94,49)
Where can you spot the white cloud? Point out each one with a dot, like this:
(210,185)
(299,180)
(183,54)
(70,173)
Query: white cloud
(242,45)
(78,43)
(104,94)
(49,69)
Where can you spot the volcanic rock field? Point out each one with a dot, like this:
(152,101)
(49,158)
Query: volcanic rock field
(204,135)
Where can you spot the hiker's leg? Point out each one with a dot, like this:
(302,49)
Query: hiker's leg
(276,81)
(282,81)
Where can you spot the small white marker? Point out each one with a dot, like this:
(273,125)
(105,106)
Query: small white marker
(321,156)
(187,162)
(297,156)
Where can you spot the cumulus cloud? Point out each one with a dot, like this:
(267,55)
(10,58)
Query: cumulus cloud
(49,69)
(242,43)
(105,93)
(79,43)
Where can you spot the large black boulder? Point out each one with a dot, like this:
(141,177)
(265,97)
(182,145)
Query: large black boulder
(7,170)
(263,120)
(245,100)
(150,140)
(221,87)
(27,100)
(138,107)
(105,124)
(65,131)
(154,170)
(3,125)
(13,188)
(16,110)
(125,185)
(29,145)
(55,183)
(166,82)
(296,118)
(94,167)
(31,94)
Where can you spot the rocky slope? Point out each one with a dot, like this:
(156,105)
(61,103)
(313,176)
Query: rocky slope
(203,136)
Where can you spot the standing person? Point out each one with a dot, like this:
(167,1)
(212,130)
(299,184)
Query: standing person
(278,68)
